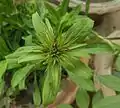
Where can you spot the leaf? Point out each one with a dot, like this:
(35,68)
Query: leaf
(78,53)
(2,87)
(66,60)
(110,81)
(108,102)
(82,99)
(27,49)
(86,84)
(41,29)
(69,18)
(36,93)
(117,74)
(49,27)
(41,8)
(76,10)
(3,47)
(51,84)
(3,67)
(76,46)
(64,106)
(20,74)
(96,48)
(24,50)
(12,63)
(22,85)
(97,97)
(67,21)
(28,40)
(117,63)
(79,69)
(30,57)
(63,8)
(79,30)
(53,14)
(87,6)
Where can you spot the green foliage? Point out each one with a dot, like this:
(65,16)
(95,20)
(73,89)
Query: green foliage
(97,97)
(51,83)
(82,99)
(117,63)
(3,67)
(87,6)
(36,93)
(63,8)
(20,74)
(80,69)
(22,85)
(55,39)
(108,102)
(64,106)
(110,81)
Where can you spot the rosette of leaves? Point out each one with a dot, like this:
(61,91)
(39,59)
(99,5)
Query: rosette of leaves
(62,37)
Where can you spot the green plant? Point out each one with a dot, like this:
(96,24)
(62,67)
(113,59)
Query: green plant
(13,34)
(60,39)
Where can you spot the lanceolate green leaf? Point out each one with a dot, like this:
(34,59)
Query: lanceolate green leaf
(76,10)
(66,60)
(110,81)
(63,8)
(2,86)
(36,93)
(97,97)
(41,29)
(41,8)
(53,14)
(82,98)
(24,50)
(13,63)
(49,27)
(20,74)
(96,48)
(78,53)
(117,63)
(27,49)
(64,106)
(3,67)
(28,40)
(22,85)
(86,84)
(87,6)
(108,102)
(80,29)
(51,84)
(30,57)
(80,69)
(3,47)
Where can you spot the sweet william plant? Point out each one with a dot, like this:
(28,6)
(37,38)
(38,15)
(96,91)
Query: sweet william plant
(60,39)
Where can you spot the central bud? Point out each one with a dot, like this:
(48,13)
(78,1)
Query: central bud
(54,50)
